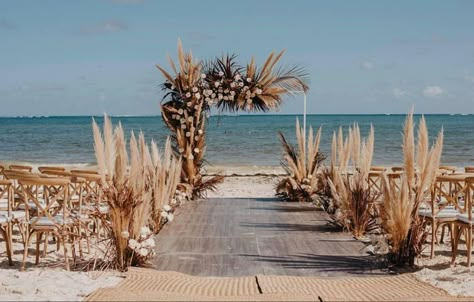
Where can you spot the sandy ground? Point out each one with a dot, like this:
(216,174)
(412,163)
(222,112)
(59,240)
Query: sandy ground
(246,186)
(48,281)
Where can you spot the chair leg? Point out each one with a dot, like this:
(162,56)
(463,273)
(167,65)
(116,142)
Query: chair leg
(469,245)
(39,236)
(62,237)
(45,244)
(5,235)
(25,252)
(443,229)
(433,237)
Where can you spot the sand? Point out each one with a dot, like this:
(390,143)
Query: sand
(49,281)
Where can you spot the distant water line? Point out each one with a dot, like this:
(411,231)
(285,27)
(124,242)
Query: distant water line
(244,140)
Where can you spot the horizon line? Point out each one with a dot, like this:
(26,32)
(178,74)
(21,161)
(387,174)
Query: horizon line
(233,115)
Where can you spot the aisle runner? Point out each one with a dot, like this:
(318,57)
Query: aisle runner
(152,285)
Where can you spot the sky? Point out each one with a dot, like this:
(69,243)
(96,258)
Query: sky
(93,56)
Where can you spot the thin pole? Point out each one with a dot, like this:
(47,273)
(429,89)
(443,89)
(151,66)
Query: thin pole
(304,116)
(304,129)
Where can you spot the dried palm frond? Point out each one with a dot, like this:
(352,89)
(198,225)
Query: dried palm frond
(195,87)
(405,228)
(302,166)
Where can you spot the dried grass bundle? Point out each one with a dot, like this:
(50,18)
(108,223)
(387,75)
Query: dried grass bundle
(405,228)
(194,87)
(302,166)
(135,189)
(352,196)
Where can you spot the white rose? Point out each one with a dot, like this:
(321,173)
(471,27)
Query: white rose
(170,217)
(145,231)
(167,207)
(203,76)
(150,242)
(221,73)
(132,243)
(143,252)
(163,214)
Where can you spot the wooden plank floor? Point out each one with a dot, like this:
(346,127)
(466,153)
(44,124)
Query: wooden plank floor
(259,236)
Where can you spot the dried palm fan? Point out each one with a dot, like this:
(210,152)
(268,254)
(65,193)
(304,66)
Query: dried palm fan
(400,218)
(136,186)
(302,166)
(193,88)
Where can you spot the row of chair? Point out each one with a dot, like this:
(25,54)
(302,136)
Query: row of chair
(53,202)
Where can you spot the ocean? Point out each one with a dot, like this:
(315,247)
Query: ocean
(233,141)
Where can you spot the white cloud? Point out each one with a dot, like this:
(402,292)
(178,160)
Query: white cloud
(432,91)
(105,27)
(367,65)
(468,77)
(399,93)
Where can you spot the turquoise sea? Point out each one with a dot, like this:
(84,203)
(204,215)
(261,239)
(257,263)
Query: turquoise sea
(244,140)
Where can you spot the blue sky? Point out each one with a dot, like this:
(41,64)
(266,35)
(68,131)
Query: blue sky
(86,57)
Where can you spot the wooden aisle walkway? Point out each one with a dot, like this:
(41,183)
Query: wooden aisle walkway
(258,236)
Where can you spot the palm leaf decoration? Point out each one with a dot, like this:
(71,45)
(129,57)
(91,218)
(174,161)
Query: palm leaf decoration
(193,88)
(302,164)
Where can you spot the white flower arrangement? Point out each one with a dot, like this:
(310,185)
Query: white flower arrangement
(221,73)
(167,208)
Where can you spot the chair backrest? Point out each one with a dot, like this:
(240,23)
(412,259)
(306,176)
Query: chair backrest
(469,169)
(6,195)
(50,168)
(54,200)
(398,169)
(84,171)
(448,169)
(378,168)
(21,168)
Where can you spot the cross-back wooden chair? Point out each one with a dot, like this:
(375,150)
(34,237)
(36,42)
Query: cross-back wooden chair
(92,201)
(465,222)
(6,195)
(53,214)
(21,168)
(50,168)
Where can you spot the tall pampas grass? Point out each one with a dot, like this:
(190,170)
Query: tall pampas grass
(353,198)
(302,165)
(400,220)
(136,187)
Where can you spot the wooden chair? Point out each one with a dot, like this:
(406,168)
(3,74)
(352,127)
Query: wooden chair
(21,168)
(447,169)
(465,222)
(50,168)
(398,169)
(53,214)
(6,216)
(469,169)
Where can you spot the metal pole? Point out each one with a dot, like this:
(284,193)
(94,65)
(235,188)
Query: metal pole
(304,116)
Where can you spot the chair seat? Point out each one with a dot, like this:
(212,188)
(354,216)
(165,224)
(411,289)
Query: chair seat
(15,215)
(46,221)
(3,219)
(31,205)
(103,209)
(464,218)
(444,213)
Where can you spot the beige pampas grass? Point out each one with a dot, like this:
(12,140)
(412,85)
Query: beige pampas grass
(352,197)
(302,166)
(136,186)
(400,219)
